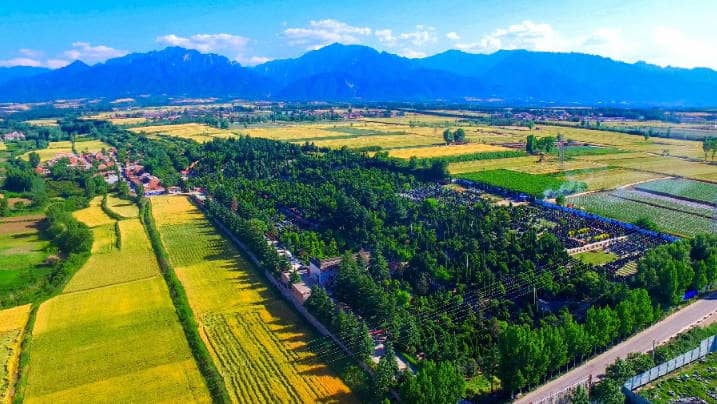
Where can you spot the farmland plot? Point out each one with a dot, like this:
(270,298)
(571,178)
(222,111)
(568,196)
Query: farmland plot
(12,325)
(122,207)
(22,254)
(195,131)
(113,334)
(670,221)
(693,190)
(258,343)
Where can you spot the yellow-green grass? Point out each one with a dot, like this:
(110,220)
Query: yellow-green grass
(596,257)
(611,178)
(91,146)
(133,261)
(383,141)
(52,150)
(43,122)
(675,147)
(117,119)
(669,166)
(258,343)
(113,334)
(22,256)
(12,326)
(528,164)
(122,207)
(93,215)
(195,131)
(3,147)
(443,151)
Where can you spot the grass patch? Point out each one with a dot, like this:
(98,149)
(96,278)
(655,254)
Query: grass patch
(596,258)
(538,185)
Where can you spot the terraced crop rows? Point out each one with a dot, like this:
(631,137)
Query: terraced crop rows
(12,324)
(682,224)
(263,370)
(698,191)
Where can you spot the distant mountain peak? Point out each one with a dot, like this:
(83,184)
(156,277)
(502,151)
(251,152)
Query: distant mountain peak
(339,72)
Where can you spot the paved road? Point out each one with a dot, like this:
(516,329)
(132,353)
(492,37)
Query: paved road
(702,312)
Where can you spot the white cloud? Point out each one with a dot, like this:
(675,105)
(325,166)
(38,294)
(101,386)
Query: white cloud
(207,42)
(21,61)
(252,60)
(453,36)
(385,36)
(525,35)
(79,51)
(324,32)
(230,45)
(408,44)
(672,46)
(411,53)
(92,54)
(421,36)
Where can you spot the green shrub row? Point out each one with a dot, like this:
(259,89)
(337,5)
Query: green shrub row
(206,365)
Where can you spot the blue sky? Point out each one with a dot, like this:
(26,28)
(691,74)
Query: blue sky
(54,33)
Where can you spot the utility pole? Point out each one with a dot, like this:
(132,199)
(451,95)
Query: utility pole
(535,296)
(653,350)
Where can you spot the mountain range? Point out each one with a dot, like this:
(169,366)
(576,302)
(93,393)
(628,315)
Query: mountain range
(358,73)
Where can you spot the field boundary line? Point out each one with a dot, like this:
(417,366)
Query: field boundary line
(212,377)
(108,286)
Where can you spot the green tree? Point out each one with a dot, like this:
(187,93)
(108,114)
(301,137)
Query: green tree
(531,144)
(459,135)
(448,136)
(34,159)
(440,383)
(386,372)
(4,206)
(580,396)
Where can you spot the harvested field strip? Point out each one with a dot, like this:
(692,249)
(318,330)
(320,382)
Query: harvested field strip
(441,151)
(12,326)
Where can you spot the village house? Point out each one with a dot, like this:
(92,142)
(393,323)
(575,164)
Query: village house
(324,271)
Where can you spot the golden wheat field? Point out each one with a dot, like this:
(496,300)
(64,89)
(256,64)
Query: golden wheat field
(93,215)
(113,335)
(443,151)
(259,344)
(122,207)
(528,164)
(54,148)
(12,327)
(195,131)
(91,146)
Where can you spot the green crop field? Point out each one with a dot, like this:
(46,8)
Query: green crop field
(670,221)
(113,334)
(22,256)
(534,184)
(695,190)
